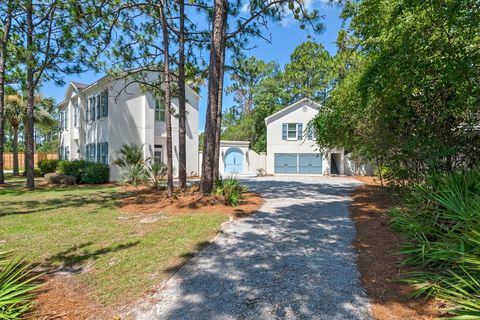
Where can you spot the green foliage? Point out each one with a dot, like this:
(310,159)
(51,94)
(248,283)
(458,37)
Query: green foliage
(47,166)
(95,173)
(266,90)
(155,173)
(441,219)
(85,171)
(72,168)
(134,174)
(129,155)
(407,95)
(16,287)
(230,190)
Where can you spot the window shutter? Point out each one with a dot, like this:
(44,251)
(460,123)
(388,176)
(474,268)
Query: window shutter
(92,110)
(310,133)
(284,131)
(99,107)
(104,102)
(299,131)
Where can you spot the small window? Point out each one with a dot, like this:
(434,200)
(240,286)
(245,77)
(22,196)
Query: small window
(92,108)
(104,153)
(158,153)
(104,104)
(159,110)
(292,131)
(66,119)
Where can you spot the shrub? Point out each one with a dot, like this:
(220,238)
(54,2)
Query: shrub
(134,174)
(47,166)
(94,173)
(155,173)
(441,218)
(230,190)
(16,287)
(84,171)
(72,168)
(36,173)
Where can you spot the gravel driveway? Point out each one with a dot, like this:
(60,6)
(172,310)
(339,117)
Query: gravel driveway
(292,260)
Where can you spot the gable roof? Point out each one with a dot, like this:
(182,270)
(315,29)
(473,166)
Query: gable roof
(293,106)
(79,85)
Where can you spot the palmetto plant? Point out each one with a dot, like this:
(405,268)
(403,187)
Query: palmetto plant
(17,285)
(156,173)
(442,219)
(130,154)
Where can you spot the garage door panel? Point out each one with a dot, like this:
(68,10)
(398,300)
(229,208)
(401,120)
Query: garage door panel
(310,163)
(285,163)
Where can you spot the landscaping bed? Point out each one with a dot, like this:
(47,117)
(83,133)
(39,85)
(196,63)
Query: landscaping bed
(378,260)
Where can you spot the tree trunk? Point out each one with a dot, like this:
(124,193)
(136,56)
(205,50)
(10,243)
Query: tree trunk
(214,77)
(216,165)
(16,171)
(182,149)
(168,117)
(3,60)
(29,122)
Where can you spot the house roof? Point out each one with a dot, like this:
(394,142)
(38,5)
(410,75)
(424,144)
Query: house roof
(79,85)
(288,109)
(84,86)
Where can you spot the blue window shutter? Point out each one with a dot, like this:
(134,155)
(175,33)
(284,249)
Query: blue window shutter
(104,104)
(284,131)
(299,131)
(310,133)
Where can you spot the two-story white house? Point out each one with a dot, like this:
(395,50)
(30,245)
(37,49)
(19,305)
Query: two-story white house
(291,144)
(98,118)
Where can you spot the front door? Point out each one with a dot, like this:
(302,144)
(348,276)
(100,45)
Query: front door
(234,161)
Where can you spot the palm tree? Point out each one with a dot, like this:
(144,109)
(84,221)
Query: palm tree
(15,115)
(130,154)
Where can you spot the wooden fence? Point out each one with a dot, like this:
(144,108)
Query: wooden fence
(8,158)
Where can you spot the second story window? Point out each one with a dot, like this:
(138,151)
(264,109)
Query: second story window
(292,131)
(92,108)
(159,110)
(66,119)
(75,115)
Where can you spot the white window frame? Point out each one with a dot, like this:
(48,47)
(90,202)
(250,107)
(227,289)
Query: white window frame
(159,110)
(296,131)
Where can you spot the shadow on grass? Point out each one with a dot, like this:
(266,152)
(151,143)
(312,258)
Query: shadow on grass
(101,200)
(73,258)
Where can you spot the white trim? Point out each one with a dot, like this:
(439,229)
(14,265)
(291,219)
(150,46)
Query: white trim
(289,108)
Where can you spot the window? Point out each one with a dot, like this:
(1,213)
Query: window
(104,158)
(104,103)
(62,121)
(91,152)
(158,153)
(311,133)
(292,131)
(99,153)
(67,153)
(98,104)
(159,110)
(92,108)
(66,119)
(75,116)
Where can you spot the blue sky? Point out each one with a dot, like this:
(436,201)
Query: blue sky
(285,37)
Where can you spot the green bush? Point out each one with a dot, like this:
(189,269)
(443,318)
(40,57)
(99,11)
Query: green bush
(94,173)
(16,287)
(441,219)
(230,190)
(84,171)
(36,173)
(47,166)
(72,168)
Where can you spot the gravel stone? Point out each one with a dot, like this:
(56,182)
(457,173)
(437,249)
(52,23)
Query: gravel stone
(291,260)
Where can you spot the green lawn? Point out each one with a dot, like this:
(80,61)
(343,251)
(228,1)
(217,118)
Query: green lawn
(82,226)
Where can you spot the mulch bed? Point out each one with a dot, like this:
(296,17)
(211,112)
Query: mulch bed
(377,249)
(149,201)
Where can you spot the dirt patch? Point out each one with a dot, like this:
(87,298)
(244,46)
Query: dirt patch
(379,264)
(62,297)
(148,201)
